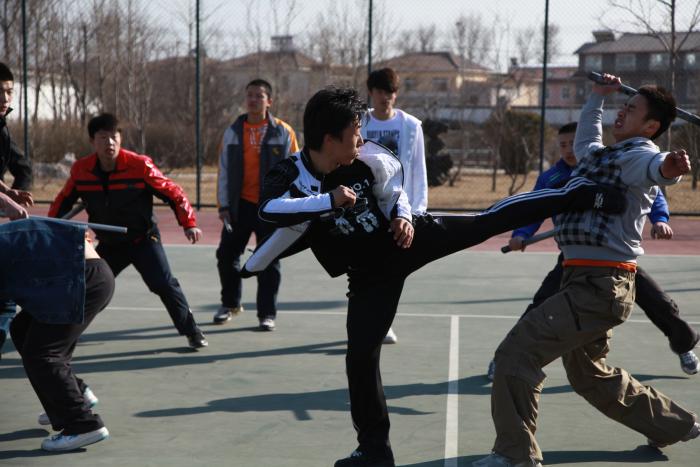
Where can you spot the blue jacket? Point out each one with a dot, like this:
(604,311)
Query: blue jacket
(559,174)
(43,269)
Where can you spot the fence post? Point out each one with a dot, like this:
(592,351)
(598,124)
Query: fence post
(25,80)
(544,83)
(197,103)
(369,39)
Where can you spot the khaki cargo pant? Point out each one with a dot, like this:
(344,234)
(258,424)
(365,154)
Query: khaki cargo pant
(576,324)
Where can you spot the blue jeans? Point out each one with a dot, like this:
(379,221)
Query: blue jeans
(148,257)
(228,256)
(43,255)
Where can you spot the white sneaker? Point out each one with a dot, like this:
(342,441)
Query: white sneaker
(390,337)
(90,399)
(692,434)
(491,371)
(61,442)
(268,324)
(689,363)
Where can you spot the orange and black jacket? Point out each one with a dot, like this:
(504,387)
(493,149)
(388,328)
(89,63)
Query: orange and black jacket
(122,197)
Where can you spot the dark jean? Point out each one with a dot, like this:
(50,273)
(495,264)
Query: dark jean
(661,309)
(148,257)
(47,349)
(228,256)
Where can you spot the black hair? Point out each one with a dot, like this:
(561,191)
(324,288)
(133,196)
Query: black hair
(661,107)
(6,73)
(385,79)
(568,128)
(262,83)
(102,122)
(329,112)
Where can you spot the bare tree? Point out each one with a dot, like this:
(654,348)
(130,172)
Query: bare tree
(529,44)
(469,38)
(657,18)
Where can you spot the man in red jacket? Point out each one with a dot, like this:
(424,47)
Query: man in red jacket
(117,187)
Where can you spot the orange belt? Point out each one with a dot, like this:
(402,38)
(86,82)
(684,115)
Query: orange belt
(632,267)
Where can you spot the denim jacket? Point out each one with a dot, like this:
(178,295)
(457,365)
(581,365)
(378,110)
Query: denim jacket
(42,268)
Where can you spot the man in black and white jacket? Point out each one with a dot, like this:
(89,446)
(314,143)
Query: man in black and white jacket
(346,202)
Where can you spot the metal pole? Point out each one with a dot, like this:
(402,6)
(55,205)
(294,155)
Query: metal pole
(545,56)
(197,101)
(25,80)
(369,40)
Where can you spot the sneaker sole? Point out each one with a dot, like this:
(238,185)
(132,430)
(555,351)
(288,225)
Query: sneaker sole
(221,321)
(85,442)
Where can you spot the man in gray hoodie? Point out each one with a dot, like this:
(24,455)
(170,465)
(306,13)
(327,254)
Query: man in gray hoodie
(597,292)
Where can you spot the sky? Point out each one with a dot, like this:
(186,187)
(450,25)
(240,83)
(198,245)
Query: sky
(575,18)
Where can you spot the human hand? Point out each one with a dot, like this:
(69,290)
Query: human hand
(661,230)
(677,163)
(517,243)
(193,234)
(11,209)
(343,197)
(403,232)
(21,197)
(612,84)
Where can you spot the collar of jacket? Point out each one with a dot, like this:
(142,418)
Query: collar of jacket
(120,165)
(238,124)
(306,160)
(3,118)
(629,143)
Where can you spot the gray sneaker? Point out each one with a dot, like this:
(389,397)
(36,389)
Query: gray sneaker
(689,363)
(491,371)
(224,314)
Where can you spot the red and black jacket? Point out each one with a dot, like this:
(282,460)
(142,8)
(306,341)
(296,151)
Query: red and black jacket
(122,197)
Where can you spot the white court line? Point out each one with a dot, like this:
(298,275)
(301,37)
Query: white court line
(452,412)
(413,315)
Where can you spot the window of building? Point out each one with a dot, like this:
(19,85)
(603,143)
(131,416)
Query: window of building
(565,92)
(658,61)
(625,61)
(440,84)
(593,62)
(409,84)
(692,89)
(690,61)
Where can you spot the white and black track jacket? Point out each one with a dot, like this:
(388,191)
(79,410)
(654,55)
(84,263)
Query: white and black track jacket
(298,201)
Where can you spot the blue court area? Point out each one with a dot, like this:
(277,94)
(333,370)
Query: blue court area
(280,398)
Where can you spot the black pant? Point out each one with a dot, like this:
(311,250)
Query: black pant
(148,257)
(47,349)
(651,298)
(228,256)
(375,290)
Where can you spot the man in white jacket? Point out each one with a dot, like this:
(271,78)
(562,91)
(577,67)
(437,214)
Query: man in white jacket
(402,133)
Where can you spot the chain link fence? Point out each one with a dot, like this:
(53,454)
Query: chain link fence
(490,100)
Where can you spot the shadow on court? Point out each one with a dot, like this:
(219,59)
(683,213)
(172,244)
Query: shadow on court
(127,362)
(641,454)
(301,404)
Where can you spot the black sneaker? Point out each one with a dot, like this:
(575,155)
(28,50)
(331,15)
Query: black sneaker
(363,459)
(197,340)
